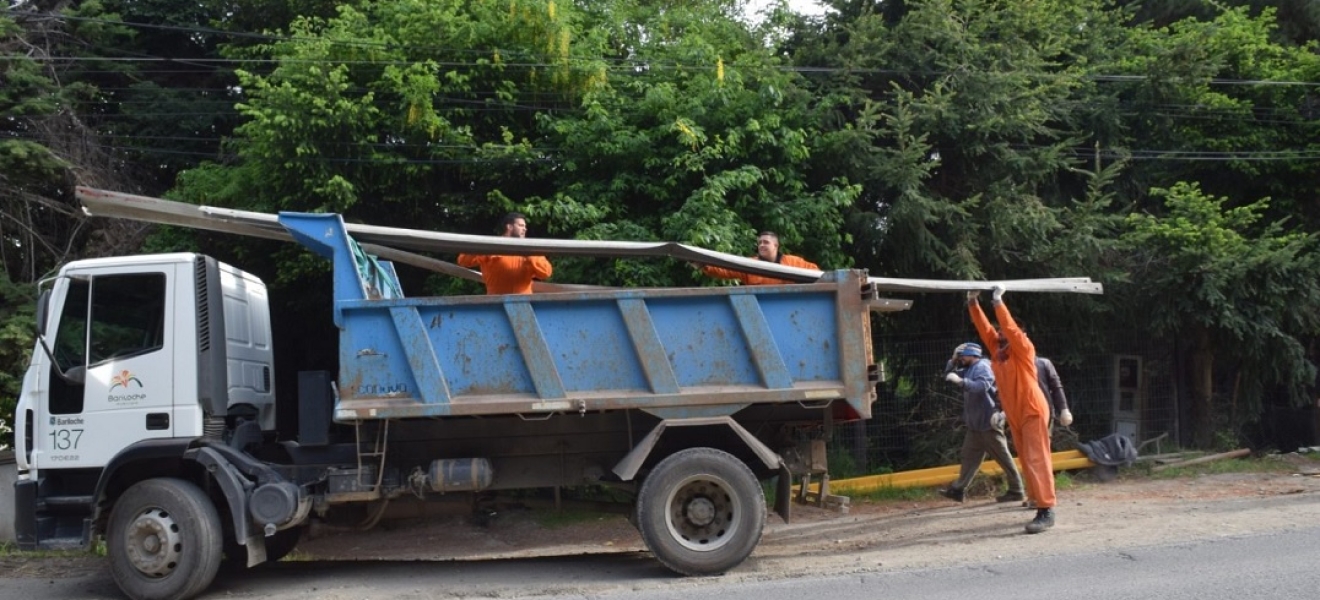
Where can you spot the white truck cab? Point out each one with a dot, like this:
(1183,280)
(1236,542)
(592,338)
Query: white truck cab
(133,350)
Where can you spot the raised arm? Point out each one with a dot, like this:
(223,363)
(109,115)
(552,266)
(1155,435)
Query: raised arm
(989,339)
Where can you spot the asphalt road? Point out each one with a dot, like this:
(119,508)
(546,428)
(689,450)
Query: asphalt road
(1284,566)
(1276,566)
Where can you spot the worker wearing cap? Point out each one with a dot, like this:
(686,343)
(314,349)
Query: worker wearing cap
(984,421)
(1014,364)
(509,274)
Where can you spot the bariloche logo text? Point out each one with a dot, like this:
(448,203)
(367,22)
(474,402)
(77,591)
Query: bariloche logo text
(122,380)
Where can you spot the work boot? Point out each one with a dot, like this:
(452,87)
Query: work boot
(1010,497)
(1044,520)
(952,493)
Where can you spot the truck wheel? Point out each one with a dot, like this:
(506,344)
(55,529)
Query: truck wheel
(163,540)
(701,511)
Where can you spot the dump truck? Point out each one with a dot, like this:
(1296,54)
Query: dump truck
(148,413)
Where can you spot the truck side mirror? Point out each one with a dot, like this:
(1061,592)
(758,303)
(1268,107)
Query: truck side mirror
(43,311)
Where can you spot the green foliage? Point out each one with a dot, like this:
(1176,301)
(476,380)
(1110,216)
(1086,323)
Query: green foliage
(701,140)
(1202,264)
(960,139)
(17,327)
(841,462)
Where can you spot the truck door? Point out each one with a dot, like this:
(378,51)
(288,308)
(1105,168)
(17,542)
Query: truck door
(115,376)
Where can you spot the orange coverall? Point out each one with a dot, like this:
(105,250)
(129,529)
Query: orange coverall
(788,260)
(1024,404)
(508,274)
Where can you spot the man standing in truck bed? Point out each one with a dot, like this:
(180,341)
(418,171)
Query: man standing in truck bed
(767,249)
(509,274)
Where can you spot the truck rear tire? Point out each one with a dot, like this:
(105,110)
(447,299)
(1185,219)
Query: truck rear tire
(701,511)
(163,540)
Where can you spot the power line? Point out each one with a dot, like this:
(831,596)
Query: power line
(1078,152)
(635,65)
(628,63)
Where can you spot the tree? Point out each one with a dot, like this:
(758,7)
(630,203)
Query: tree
(17,325)
(971,126)
(696,135)
(1239,291)
(1220,101)
(46,146)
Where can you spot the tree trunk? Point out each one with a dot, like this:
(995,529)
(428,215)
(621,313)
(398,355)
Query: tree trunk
(1201,372)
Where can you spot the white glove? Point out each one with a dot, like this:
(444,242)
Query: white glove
(1065,417)
(953,378)
(998,295)
(972,295)
(997,421)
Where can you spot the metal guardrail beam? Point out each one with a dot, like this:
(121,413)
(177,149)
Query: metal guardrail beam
(105,203)
(1063,461)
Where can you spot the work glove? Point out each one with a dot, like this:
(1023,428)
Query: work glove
(997,421)
(998,295)
(953,378)
(972,295)
(954,359)
(1065,417)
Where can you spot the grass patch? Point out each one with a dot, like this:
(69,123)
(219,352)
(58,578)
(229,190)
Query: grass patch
(10,550)
(894,493)
(1268,464)
(297,556)
(558,519)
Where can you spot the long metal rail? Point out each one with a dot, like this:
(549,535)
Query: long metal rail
(401,245)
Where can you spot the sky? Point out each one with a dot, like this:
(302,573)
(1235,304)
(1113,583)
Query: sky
(808,7)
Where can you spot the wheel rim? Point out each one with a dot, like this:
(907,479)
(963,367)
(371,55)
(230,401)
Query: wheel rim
(702,513)
(153,543)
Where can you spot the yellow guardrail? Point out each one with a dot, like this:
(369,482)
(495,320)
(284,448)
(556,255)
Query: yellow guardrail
(1063,461)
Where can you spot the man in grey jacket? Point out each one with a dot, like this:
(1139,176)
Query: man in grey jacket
(984,421)
(1053,388)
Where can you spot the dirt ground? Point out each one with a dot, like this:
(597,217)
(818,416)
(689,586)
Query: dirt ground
(873,535)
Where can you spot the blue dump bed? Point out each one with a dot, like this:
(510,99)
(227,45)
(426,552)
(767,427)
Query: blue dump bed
(672,352)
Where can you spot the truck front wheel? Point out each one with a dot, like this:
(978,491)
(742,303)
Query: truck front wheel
(701,511)
(163,540)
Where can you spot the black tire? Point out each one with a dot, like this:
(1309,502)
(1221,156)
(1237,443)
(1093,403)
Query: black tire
(701,511)
(277,546)
(178,567)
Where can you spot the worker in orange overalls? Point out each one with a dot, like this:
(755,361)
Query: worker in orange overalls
(509,274)
(767,249)
(1014,364)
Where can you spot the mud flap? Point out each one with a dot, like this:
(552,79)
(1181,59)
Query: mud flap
(784,492)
